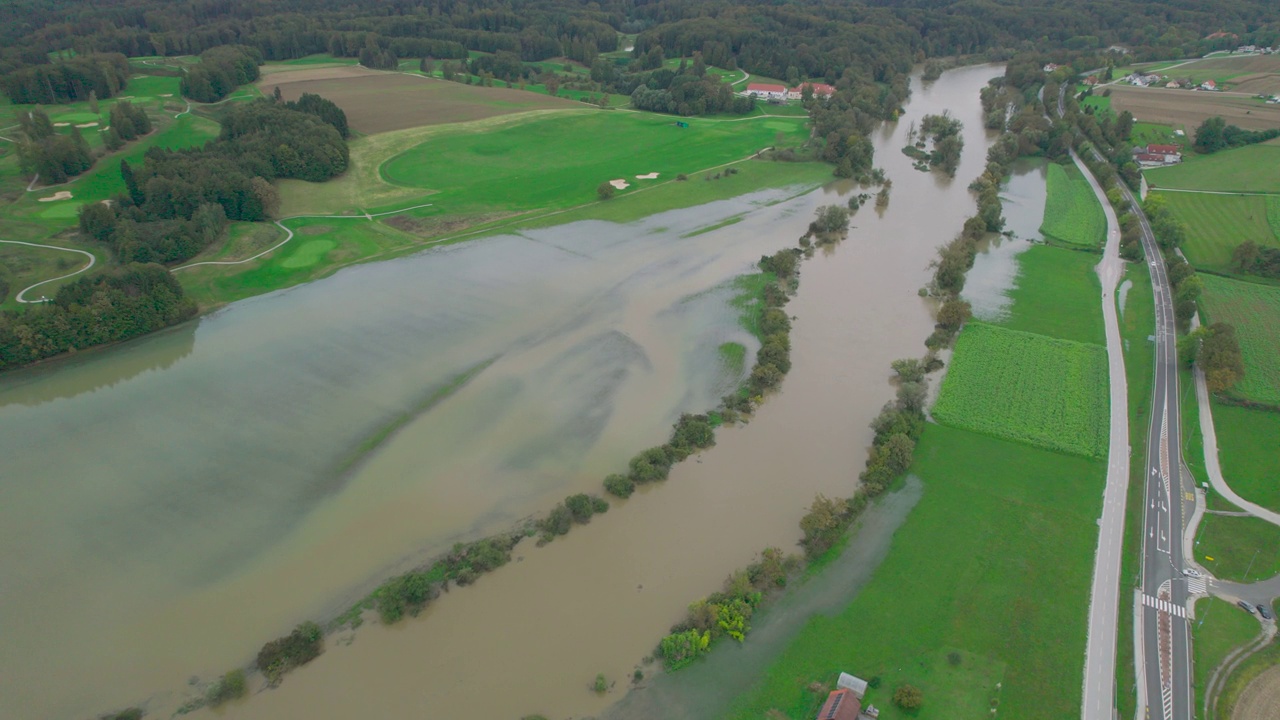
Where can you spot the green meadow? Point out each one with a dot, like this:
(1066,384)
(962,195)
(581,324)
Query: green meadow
(1072,214)
(1244,549)
(1254,310)
(1246,169)
(1248,448)
(1219,628)
(1216,224)
(966,574)
(558,161)
(1058,294)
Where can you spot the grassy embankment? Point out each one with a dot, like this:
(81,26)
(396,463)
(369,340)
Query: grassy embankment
(1219,628)
(1247,169)
(1137,322)
(978,588)
(1216,224)
(1072,214)
(527,170)
(1243,548)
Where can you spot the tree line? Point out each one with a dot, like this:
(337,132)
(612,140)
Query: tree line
(123,303)
(1215,134)
(99,75)
(220,71)
(179,201)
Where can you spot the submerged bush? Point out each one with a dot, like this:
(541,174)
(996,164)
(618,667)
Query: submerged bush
(298,648)
(619,485)
(229,687)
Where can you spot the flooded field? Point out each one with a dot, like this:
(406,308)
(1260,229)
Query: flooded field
(995,270)
(172,503)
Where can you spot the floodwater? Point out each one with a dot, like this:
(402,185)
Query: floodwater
(169,505)
(995,270)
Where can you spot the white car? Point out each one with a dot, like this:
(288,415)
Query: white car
(1191,572)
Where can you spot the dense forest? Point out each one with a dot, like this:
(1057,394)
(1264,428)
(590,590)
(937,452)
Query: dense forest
(113,306)
(179,201)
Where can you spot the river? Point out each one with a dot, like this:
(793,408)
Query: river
(170,504)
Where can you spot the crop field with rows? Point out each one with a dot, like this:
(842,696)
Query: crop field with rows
(1071,213)
(1029,388)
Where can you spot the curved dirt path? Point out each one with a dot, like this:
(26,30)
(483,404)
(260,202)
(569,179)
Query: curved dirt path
(1211,465)
(289,235)
(1104,593)
(19,297)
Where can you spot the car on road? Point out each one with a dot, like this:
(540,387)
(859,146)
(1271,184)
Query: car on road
(1245,606)
(1264,612)
(1191,572)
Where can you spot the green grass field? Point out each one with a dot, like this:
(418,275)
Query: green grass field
(1219,628)
(1249,452)
(1152,133)
(1244,549)
(1247,169)
(1072,213)
(1254,310)
(559,161)
(1100,104)
(1057,293)
(979,587)
(1216,224)
(1029,388)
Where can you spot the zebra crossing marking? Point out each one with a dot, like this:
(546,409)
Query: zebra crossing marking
(1164,606)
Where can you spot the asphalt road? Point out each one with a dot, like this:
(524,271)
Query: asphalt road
(1165,632)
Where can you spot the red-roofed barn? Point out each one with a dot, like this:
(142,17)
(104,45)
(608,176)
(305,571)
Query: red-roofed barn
(841,704)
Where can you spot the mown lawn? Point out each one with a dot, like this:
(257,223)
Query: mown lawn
(1244,549)
(1216,224)
(1247,169)
(1057,293)
(1028,388)
(553,162)
(1219,628)
(1072,213)
(1249,452)
(1254,310)
(993,564)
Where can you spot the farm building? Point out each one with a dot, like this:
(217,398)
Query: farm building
(841,704)
(1208,85)
(819,90)
(853,683)
(767,91)
(1051,67)
(1091,80)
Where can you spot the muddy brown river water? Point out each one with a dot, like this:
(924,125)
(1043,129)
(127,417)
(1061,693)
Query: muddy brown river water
(170,504)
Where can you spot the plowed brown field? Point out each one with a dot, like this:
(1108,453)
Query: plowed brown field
(380,101)
(1190,108)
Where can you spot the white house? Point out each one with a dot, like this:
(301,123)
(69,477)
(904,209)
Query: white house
(767,91)
(819,90)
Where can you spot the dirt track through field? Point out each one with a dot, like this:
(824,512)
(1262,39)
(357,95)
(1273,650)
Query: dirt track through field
(1261,700)
(1190,108)
(377,101)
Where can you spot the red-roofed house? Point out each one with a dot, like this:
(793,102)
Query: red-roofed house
(841,704)
(1163,149)
(1208,85)
(819,90)
(767,91)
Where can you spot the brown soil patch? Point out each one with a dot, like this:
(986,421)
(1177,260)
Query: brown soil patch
(1242,63)
(1261,699)
(1257,83)
(1190,108)
(381,101)
(429,227)
(313,230)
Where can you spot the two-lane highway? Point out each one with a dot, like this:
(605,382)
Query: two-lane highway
(1165,674)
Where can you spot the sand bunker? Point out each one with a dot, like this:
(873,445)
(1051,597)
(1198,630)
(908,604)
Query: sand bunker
(88,125)
(60,195)
(61,124)
(650,176)
(166,94)
(620,184)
